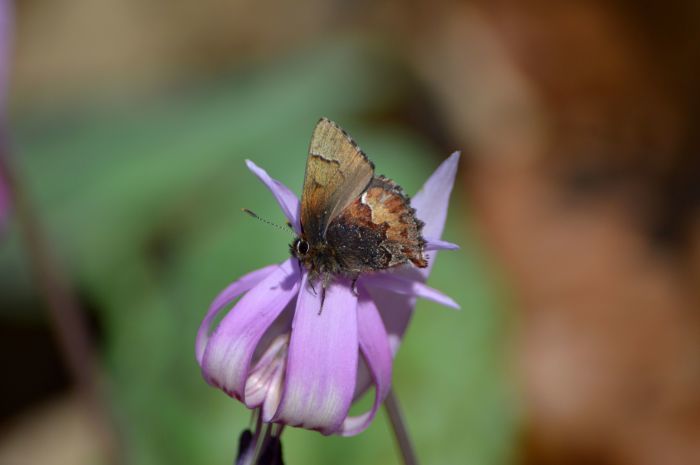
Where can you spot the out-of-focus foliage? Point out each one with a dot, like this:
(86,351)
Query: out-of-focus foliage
(142,199)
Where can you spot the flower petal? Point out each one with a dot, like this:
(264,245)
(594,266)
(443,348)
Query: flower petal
(227,356)
(406,286)
(322,360)
(264,383)
(225,297)
(431,204)
(433,198)
(377,354)
(437,244)
(287,200)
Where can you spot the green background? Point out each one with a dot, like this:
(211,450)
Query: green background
(141,198)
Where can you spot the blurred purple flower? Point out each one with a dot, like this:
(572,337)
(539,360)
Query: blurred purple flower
(275,352)
(5,35)
(6,16)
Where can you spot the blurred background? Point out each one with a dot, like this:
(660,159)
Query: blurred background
(576,207)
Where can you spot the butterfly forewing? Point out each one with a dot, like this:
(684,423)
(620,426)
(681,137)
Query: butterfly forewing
(337,172)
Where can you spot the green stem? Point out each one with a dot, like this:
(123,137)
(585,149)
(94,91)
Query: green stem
(398,426)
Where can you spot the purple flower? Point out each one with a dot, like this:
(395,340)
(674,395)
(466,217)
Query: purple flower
(274,351)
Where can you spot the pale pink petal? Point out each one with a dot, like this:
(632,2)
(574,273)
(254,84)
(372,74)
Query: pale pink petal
(396,311)
(437,244)
(287,200)
(375,349)
(406,286)
(322,360)
(364,379)
(225,297)
(432,199)
(228,354)
(282,325)
(274,394)
(264,383)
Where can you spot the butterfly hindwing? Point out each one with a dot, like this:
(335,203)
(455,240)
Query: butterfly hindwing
(337,172)
(378,230)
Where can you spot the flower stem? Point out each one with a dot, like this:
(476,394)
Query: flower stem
(66,316)
(263,447)
(391,404)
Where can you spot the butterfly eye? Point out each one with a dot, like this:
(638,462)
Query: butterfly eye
(302,247)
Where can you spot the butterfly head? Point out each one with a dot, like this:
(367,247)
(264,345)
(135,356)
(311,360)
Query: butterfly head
(300,248)
(317,258)
(303,251)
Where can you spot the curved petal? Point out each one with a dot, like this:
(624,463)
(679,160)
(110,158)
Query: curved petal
(322,361)
(264,383)
(281,326)
(225,297)
(432,199)
(438,244)
(227,356)
(431,204)
(377,353)
(287,200)
(363,379)
(406,286)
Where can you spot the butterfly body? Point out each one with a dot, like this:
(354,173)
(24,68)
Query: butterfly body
(352,222)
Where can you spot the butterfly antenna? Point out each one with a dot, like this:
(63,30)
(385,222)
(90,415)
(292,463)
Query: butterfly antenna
(254,215)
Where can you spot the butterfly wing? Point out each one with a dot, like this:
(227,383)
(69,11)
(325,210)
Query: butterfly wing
(337,172)
(378,230)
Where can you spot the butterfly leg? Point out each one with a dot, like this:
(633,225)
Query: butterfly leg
(313,288)
(325,282)
(354,286)
(323,299)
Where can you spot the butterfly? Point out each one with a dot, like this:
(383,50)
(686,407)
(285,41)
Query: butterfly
(352,222)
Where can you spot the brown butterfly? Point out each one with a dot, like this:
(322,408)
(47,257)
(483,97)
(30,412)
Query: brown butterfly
(352,222)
